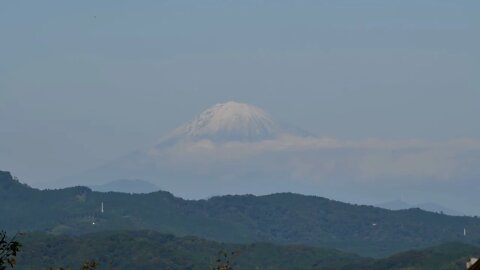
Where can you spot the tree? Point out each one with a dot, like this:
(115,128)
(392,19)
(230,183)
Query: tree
(9,248)
(90,265)
(223,262)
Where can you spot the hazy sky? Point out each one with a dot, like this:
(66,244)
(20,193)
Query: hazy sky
(84,82)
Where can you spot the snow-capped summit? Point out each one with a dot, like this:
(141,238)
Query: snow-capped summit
(230,121)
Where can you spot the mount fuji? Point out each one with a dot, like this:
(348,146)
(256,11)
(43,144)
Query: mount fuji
(219,151)
(231,121)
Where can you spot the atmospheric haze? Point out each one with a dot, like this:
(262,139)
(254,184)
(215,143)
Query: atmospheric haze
(360,101)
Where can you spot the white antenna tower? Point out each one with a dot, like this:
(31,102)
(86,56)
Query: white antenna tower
(102,208)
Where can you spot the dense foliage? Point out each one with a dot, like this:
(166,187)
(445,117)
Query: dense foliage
(9,248)
(279,218)
(152,250)
(448,256)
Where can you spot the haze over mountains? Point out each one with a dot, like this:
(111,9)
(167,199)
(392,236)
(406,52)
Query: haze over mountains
(236,148)
(150,135)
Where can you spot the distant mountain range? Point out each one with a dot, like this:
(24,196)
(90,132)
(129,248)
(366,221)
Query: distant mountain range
(428,206)
(126,186)
(283,218)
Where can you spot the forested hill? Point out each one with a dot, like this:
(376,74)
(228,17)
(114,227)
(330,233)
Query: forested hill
(278,218)
(152,250)
(447,256)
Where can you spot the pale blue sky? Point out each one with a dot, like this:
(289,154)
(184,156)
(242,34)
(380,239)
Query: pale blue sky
(84,82)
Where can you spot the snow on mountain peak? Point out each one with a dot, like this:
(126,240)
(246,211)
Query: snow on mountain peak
(230,121)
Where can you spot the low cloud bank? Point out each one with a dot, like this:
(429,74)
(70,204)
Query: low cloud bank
(323,159)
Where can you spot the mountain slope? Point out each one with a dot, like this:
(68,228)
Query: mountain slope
(447,256)
(395,205)
(151,250)
(280,218)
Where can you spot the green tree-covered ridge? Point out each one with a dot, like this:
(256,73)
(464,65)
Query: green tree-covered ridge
(148,250)
(283,218)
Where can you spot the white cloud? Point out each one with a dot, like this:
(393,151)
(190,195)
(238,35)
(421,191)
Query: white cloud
(319,159)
